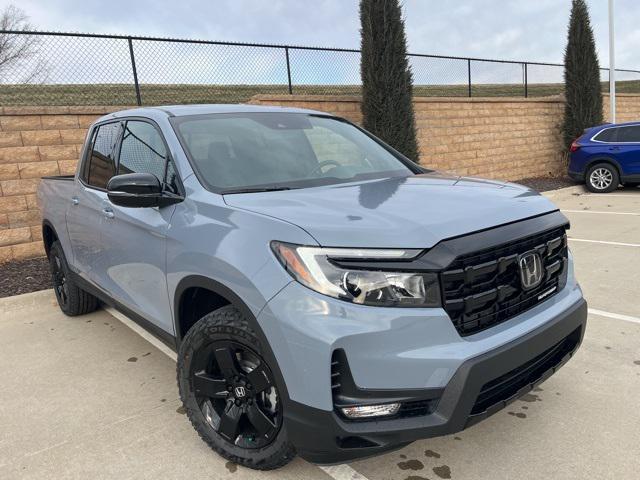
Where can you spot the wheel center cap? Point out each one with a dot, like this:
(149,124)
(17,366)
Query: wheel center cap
(240,392)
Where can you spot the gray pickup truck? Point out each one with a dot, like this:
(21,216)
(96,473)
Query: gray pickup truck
(326,296)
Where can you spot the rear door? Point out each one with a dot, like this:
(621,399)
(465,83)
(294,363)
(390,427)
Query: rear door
(87,203)
(134,239)
(627,149)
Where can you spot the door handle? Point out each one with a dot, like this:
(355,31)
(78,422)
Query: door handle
(108,212)
(74,201)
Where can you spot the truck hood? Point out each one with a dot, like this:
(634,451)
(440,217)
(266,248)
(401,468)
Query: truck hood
(410,212)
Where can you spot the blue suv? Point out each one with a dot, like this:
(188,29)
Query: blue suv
(606,156)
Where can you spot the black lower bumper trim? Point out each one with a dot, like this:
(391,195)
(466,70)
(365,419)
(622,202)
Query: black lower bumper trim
(577,176)
(482,386)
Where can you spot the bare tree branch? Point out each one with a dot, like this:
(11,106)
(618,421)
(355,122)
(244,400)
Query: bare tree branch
(19,59)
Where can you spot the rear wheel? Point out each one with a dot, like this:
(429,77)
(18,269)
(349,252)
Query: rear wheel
(71,298)
(602,178)
(229,392)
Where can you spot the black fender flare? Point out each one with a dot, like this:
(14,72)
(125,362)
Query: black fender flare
(47,224)
(234,299)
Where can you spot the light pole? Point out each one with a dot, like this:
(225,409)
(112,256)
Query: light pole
(612,66)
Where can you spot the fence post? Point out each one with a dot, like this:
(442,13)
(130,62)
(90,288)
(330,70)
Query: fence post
(526,81)
(469,74)
(286,52)
(135,73)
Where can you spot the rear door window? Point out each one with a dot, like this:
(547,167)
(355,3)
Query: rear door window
(102,166)
(629,134)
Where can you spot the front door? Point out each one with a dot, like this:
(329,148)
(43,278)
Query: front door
(134,239)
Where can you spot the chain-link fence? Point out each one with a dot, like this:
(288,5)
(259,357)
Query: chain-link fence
(49,68)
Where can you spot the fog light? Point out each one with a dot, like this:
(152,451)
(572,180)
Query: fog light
(371,410)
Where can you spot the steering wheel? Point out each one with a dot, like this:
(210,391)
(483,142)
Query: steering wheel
(323,164)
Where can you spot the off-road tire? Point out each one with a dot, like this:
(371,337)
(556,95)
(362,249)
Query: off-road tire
(75,301)
(226,323)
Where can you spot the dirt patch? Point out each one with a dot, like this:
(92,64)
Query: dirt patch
(544,184)
(24,276)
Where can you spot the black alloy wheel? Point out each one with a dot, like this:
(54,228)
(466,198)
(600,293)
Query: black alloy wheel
(59,279)
(236,393)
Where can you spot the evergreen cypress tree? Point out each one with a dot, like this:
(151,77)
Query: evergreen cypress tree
(387,82)
(583,107)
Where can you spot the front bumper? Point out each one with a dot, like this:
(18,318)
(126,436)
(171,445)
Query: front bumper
(481,386)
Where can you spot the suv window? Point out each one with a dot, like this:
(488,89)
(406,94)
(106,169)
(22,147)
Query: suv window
(101,162)
(142,151)
(606,135)
(629,134)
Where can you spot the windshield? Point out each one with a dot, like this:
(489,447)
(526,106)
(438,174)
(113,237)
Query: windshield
(255,151)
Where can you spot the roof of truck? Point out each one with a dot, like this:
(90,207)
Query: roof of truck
(181,110)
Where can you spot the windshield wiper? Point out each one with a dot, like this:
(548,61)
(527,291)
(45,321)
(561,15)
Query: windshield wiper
(254,190)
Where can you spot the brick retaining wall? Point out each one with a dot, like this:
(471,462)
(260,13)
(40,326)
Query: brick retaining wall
(34,142)
(506,138)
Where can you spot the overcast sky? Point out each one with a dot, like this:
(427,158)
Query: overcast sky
(531,30)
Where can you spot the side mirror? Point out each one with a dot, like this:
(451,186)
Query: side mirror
(137,190)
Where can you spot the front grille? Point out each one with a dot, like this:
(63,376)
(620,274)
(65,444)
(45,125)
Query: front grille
(483,289)
(506,386)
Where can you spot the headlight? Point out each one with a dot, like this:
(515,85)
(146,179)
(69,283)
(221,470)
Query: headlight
(314,268)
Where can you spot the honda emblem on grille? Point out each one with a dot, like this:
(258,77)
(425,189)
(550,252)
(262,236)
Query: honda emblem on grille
(531,273)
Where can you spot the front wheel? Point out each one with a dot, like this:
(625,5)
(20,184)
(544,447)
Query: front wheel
(602,178)
(229,392)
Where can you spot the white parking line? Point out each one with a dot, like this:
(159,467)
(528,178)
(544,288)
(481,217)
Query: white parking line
(620,244)
(342,472)
(143,333)
(599,195)
(338,472)
(601,212)
(617,316)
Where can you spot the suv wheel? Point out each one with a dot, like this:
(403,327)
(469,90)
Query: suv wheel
(602,178)
(229,392)
(71,298)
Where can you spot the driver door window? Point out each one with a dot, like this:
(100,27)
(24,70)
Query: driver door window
(142,151)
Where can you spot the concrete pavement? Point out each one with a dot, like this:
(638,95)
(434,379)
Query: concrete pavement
(87,397)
